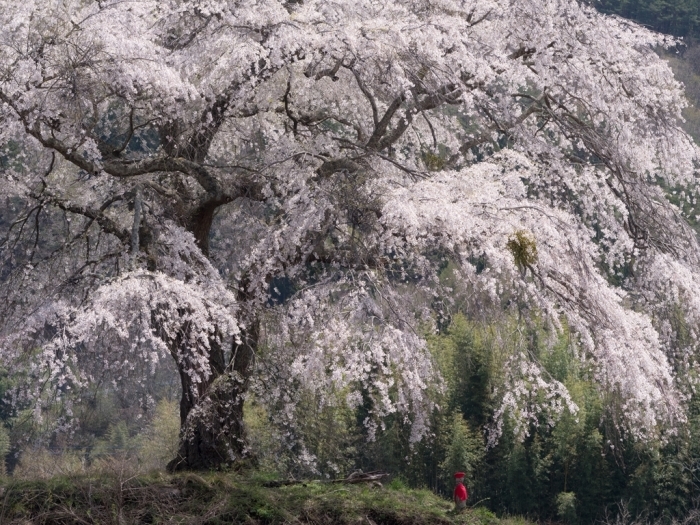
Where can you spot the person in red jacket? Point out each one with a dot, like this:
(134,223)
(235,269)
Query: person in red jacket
(460,494)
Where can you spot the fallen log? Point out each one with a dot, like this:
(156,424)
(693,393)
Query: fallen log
(356,477)
(363,477)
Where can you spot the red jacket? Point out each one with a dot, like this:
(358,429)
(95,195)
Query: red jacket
(461,492)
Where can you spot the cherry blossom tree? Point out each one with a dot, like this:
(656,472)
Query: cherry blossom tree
(347,149)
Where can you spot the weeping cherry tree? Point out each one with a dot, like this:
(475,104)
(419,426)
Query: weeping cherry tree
(347,149)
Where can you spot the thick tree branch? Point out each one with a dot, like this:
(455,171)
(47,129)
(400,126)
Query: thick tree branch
(380,140)
(383,124)
(107,224)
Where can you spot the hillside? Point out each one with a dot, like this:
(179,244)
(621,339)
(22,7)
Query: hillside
(224,498)
(686,69)
(676,17)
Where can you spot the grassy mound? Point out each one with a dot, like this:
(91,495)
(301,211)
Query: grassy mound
(218,498)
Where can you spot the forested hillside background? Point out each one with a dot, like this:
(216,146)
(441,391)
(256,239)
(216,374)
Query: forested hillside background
(680,18)
(577,468)
(674,17)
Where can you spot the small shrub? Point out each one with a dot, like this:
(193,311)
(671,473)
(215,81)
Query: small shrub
(566,506)
(397,484)
(4,448)
(159,443)
(45,464)
(117,441)
(484,516)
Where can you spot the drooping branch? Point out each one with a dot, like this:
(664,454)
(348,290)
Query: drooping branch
(136,224)
(647,219)
(199,142)
(485,135)
(368,95)
(96,215)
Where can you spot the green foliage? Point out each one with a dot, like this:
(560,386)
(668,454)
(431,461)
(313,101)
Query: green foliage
(116,441)
(397,484)
(263,440)
(486,517)
(528,468)
(433,161)
(464,452)
(159,443)
(523,246)
(42,463)
(468,362)
(566,506)
(568,471)
(661,483)
(329,434)
(4,447)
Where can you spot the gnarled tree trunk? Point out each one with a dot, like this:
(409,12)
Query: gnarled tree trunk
(212,432)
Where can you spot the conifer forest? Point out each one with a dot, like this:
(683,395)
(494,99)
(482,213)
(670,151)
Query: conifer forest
(309,238)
